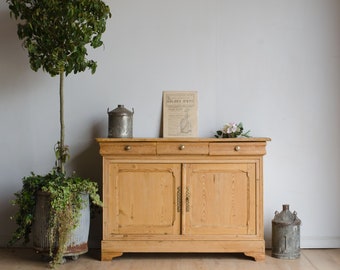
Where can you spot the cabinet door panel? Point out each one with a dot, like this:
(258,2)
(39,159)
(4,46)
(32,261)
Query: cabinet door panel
(220,198)
(145,198)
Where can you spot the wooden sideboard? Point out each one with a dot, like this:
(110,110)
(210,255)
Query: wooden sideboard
(183,195)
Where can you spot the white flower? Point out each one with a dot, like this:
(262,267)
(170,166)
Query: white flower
(230,128)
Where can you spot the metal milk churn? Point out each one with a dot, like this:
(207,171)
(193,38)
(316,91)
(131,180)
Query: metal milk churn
(286,234)
(120,122)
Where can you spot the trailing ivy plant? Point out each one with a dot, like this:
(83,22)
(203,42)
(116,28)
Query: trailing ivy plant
(65,204)
(25,199)
(57,34)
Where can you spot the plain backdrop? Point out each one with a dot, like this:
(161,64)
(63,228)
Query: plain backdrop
(272,64)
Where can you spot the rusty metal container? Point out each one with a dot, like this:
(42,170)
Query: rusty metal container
(286,234)
(77,243)
(120,122)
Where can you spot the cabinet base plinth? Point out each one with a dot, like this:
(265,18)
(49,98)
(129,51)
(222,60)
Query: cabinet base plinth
(112,249)
(108,256)
(258,256)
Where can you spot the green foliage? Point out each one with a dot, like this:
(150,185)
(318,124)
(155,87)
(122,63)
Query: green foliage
(65,205)
(62,154)
(56,32)
(25,200)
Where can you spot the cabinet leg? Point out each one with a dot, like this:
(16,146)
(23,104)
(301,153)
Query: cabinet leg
(258,256)
(108,256)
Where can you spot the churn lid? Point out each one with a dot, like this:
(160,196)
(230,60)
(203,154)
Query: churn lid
(120,111)
(285,217)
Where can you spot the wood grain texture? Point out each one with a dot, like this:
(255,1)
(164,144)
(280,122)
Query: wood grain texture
(189,195)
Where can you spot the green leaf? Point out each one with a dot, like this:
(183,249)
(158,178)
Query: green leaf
(50,26)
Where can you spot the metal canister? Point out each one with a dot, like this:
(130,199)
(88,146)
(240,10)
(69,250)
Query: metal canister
(286,234)
(120,122)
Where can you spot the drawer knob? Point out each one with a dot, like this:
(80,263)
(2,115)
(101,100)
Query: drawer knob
(127,148)
(237,148)
(181,147)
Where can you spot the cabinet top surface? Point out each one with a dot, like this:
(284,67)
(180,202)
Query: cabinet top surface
(255,139)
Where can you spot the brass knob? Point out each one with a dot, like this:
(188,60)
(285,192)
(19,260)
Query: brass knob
(237,148)
(181,147)
(127,148)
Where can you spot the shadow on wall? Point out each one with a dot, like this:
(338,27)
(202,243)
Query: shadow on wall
(88,163)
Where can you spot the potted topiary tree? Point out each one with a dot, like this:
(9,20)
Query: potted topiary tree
(56,34)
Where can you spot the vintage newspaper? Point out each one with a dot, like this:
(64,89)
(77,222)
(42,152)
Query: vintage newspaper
(180,113)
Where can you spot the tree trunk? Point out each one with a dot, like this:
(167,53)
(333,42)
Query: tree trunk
(62,153)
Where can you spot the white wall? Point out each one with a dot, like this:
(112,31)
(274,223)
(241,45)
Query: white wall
(272,64)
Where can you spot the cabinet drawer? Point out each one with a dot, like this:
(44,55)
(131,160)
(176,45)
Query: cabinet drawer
(128,148)
(237,148)
(183,148)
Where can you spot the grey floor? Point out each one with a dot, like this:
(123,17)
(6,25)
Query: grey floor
(311,259)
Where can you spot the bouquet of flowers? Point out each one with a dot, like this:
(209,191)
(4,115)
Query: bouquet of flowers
(232,130)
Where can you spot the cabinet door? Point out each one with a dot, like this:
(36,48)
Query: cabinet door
(143,199)
(220,199)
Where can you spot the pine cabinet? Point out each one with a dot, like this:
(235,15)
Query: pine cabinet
(182,195)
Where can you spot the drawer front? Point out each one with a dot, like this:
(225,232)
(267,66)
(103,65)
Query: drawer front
(128,148)
(237,148)
(182,148)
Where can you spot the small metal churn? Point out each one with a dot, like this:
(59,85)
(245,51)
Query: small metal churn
(286,234)
(120,122)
